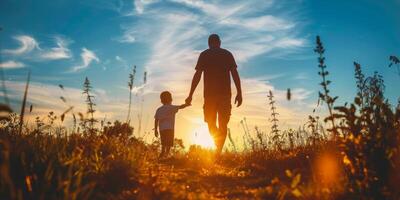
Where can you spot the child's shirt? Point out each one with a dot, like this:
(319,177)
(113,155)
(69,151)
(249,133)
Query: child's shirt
(166,116)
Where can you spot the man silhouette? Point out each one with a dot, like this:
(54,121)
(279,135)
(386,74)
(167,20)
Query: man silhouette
(217,64)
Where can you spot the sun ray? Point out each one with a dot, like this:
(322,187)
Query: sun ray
(202,137)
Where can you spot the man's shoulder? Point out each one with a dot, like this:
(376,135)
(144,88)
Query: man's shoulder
(226,51)
(204,52)
(217,50)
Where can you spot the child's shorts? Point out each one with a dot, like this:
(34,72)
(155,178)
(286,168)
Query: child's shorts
(167,137)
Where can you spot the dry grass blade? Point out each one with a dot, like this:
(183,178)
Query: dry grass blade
(24,102)
(65,112)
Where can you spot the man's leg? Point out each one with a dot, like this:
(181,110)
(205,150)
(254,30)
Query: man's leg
(224,113)
(223,131)
(210,116)
(213,129)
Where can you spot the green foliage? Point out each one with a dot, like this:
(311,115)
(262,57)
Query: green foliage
(369,131)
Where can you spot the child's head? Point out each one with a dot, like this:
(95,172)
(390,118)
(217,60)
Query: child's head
(166,97)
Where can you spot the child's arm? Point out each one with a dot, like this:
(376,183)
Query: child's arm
(184,106)
(156,127)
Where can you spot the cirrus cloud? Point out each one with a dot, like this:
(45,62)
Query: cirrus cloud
(11,64)
(30,46)
(27,44)
(88,57)
(61,51)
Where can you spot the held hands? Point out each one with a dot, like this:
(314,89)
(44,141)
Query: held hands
(238,99)
(188,100)
(185,105)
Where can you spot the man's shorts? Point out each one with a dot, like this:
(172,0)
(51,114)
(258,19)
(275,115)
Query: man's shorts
(221,106)
(167,137)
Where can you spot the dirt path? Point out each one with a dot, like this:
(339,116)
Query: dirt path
(174,179)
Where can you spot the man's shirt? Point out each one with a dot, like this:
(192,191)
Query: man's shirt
(216,63)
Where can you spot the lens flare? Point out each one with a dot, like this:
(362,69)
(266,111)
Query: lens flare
(202,137)
(327,167)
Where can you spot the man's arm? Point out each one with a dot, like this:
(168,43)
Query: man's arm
(156,127)
(236,79)
(195,82)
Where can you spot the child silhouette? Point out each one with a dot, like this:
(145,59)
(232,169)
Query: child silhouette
(164,121)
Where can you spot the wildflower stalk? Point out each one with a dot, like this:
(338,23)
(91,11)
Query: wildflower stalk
(90,104)
(360,80)
(274,120)
(324,95)
(130,85)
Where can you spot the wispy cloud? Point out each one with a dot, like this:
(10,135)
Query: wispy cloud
(122,61)
(11,64)
(27,44)
(29,49)
(88,57)
(141,4)
(266,22)
(61,51)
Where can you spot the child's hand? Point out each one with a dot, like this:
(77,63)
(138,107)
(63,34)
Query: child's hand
(185,105)
(156,132)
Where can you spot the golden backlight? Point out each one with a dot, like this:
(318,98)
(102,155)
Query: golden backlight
(202,137)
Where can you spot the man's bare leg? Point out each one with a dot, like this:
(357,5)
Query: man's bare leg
(223,131)
(213,129)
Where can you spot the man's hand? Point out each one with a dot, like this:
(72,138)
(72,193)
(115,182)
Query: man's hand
(188,100)
(238,100)
(156,132)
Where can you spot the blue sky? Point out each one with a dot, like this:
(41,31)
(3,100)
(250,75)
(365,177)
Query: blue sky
(62,42)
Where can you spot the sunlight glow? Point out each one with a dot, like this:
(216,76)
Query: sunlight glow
(327,169)
(202,137)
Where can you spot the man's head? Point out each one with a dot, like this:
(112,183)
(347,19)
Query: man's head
(214,41)
(166,97)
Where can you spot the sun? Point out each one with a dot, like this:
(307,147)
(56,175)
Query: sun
(202,137)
